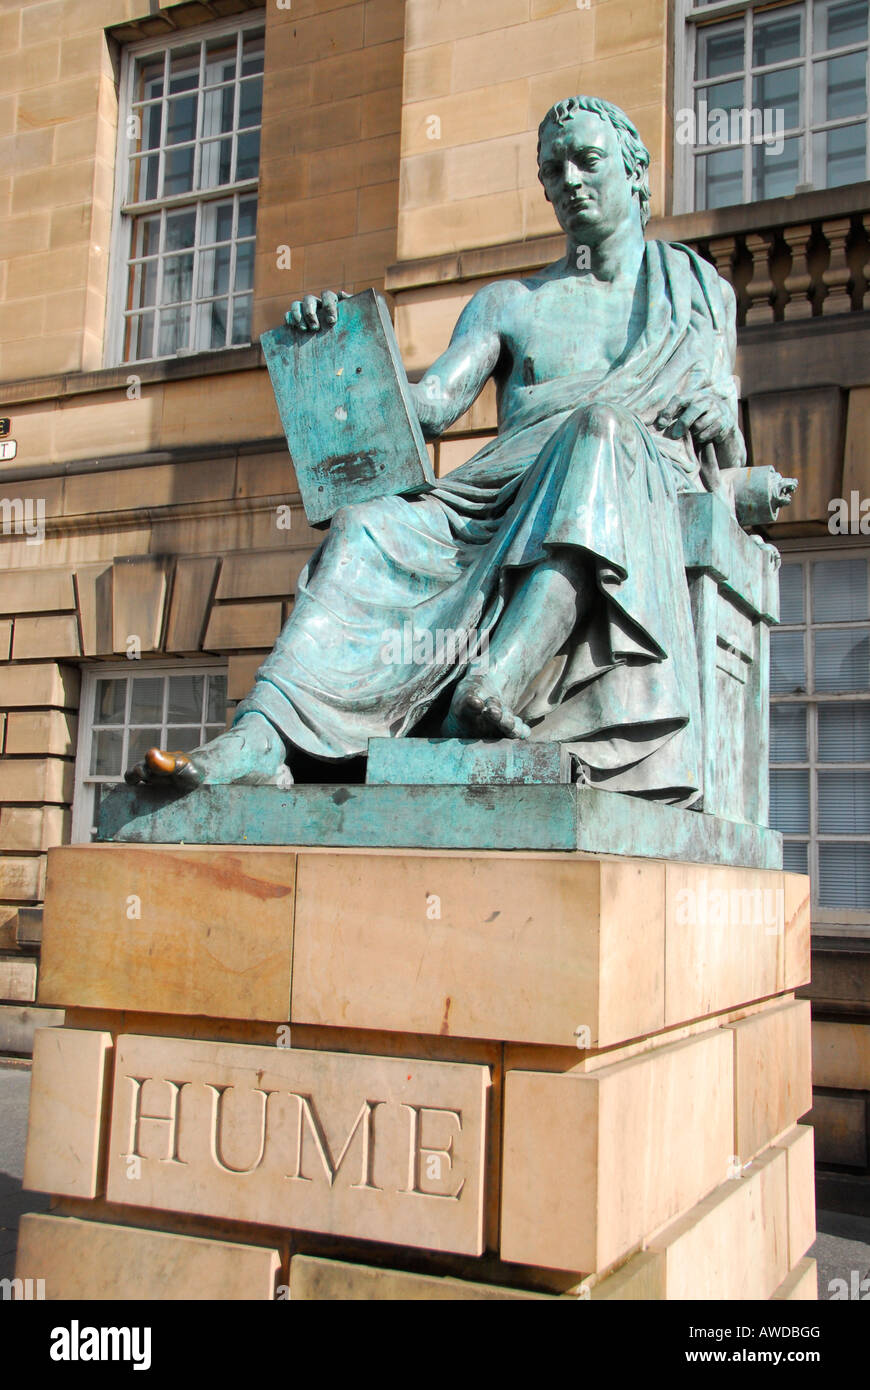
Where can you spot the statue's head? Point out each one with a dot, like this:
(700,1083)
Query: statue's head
(593,165)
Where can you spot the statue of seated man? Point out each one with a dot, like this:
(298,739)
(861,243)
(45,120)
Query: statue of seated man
(554,556)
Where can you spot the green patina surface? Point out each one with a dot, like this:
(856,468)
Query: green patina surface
(435,817)
(464,762)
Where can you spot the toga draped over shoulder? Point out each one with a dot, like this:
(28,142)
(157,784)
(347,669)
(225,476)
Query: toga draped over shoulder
(404,591)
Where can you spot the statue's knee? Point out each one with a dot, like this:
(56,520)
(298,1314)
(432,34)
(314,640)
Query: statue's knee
(599,419)
(603,421)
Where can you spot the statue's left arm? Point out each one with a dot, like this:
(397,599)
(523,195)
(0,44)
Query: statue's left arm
(707,410)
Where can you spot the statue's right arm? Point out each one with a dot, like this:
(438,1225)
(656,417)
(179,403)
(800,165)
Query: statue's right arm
(452,383)
(459,375)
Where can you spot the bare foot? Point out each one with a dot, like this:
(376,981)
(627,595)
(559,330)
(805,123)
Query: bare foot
(252,751)
(477,707)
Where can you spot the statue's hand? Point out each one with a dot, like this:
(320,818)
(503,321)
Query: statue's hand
(704,415)
(303,313)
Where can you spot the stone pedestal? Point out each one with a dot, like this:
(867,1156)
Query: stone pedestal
(389,1073)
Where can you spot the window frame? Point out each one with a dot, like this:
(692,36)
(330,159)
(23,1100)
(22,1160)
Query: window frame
(831,921)
(80,828)
(692,17)
(124,215)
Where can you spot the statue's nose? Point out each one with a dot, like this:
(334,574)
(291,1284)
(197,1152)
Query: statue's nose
(571,175)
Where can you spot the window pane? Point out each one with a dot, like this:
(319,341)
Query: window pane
(220,61)
(776,173)
(252,53)
(109,701)
(139,337)
(787,665)
(247,216)
(788,734)
(146,703)
(844,803)
(794,856)
(777,36)
(241,319)
(218,111)
(145,128)
(180,229)
(217,699)
(251,102)
(839,589)
(790,801)
(214,272)
(140,741)
(844,876)
(178,171)
(182,740)
(840,87)
(143,284)
(245,266)
(149,78)
(839,22)
(143,178)
(842,659)
(217,319)
(211,325)
(791,594)
(720,50)
(184,68)
(777,95)
(180,120)
(248,155)
(844,733)
(174,330)
(177,278)
(719,179)
(840,156)
(106,752)
(146,236)
(215,163)
(217,223)
(185,699)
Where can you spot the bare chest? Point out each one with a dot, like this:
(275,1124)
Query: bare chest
(568,327)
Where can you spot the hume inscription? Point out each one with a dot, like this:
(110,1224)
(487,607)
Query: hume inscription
(380,1148)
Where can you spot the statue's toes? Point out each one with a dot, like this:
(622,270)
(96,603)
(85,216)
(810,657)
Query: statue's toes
(136,776)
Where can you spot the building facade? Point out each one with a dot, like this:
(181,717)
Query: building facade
(173,175)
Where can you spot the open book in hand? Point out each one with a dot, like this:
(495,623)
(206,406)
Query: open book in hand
(342,395)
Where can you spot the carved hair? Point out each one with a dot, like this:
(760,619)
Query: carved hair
(635,155)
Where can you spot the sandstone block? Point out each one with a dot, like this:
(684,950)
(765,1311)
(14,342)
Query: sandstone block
(316,1279)
(82,1260)
(800,1285)
(772,1075)
(66,1111)
(378,1148)
(508,947)
(734,1243)
(594,1162)
(177,930)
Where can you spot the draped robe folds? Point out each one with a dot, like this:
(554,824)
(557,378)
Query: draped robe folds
(403,591)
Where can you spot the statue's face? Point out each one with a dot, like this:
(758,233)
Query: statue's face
(585,178)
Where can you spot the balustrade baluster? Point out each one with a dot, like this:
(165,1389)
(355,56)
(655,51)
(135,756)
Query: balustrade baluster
(798,281)
(838,299)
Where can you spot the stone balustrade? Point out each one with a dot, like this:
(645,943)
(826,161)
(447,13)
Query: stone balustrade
(787,258)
